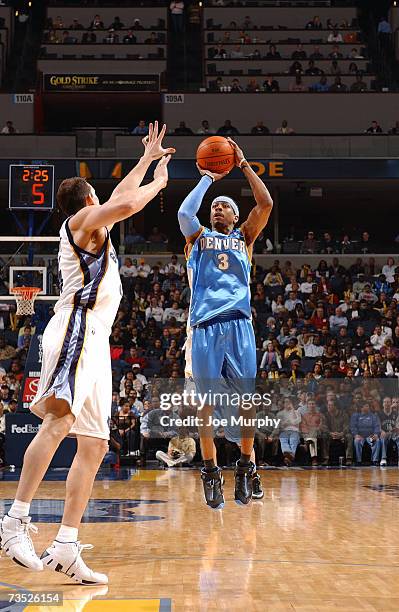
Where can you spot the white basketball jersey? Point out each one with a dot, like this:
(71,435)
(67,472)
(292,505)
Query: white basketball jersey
(88,281)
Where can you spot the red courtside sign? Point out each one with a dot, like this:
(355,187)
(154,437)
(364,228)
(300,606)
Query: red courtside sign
(30,389)
(33,367)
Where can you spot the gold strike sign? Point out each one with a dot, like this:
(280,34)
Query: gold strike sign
(74,80)
(272,169)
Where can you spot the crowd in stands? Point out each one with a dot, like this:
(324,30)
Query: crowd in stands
(271,85)
(327,349)
(315,23)
(335,50)
(259,129)
(117,32)
(326,243)
(325,84)
(375,128)
(97,24)
(228,129)
(9,128)
(299,54)
(111,37)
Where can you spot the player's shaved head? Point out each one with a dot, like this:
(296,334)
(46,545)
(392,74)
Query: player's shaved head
(72,194)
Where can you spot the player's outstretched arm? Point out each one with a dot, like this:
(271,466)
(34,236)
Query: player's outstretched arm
(259,215)
(153,150)
(187,213)
(123,205)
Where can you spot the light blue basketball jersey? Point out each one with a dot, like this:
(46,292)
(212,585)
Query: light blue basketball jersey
(219,273)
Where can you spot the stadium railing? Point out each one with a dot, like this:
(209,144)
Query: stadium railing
(280,146)
(112,144)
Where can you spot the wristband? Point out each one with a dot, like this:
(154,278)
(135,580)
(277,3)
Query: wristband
(208,175)
(242,162)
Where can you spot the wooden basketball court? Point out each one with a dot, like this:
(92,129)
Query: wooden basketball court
(319,540)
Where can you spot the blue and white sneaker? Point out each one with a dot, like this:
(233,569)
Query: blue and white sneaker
(16,542)
(65,557)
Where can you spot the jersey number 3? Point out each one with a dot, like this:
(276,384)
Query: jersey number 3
(223,260)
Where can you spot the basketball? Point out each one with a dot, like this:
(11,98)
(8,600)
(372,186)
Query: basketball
(216,154)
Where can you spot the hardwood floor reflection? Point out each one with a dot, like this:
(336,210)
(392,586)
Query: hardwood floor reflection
(319,540)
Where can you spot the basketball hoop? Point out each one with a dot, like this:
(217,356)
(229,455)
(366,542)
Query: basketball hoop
(25,298)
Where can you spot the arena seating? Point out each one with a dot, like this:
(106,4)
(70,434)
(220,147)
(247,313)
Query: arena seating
(238,40)
(325,113)
(71,45)
(246,78)
(248,30)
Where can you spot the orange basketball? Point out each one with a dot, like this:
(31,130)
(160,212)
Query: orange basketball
(215,154)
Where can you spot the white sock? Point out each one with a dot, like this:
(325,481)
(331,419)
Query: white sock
(19,509)
(67,534)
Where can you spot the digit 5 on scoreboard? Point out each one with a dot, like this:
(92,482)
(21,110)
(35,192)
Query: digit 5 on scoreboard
(31,187)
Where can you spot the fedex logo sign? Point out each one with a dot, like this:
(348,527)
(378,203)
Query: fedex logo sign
(28,428)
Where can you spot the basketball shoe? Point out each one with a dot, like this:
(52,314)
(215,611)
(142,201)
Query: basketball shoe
(16,542)
(257,491)
(65,557)
(243,475)
(213,488)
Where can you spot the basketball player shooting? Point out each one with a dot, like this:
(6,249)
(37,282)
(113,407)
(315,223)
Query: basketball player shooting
(220,329)
(75,388)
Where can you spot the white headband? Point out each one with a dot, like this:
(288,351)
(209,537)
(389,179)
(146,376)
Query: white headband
(228,201)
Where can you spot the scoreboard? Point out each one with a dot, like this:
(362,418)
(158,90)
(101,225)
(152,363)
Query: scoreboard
(31,187)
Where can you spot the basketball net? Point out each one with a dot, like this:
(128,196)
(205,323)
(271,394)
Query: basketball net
(25,298)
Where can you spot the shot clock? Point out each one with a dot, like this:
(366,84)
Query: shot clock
(31,187)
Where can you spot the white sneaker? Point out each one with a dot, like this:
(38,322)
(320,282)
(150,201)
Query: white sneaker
(383,463)
(16,542)
(66,557)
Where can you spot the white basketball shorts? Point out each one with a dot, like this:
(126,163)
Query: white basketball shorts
(76,367)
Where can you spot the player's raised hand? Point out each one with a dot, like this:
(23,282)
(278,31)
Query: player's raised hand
(161,170)
(239,155)
(153,148)
(213,175)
